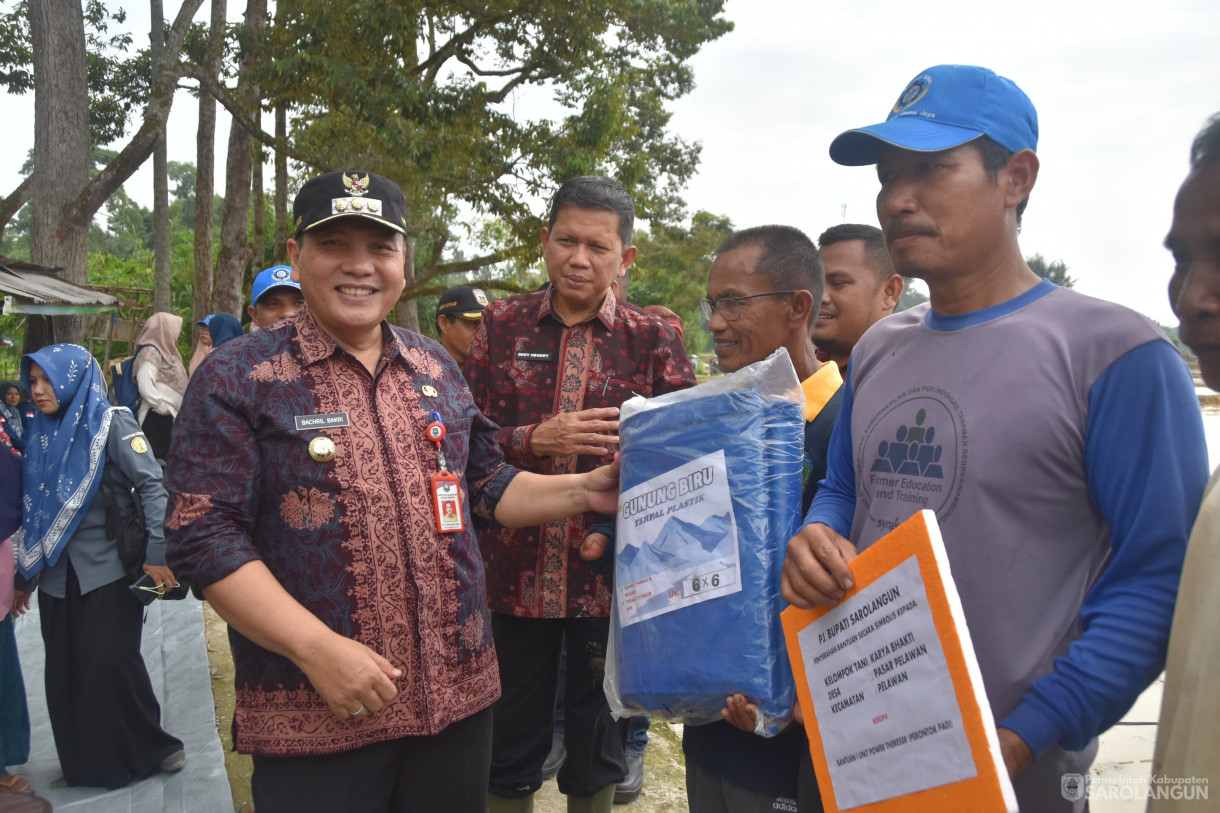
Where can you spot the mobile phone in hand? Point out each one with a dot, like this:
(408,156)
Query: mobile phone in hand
(145,590)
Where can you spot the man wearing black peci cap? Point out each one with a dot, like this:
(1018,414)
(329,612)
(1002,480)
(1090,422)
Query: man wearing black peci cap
(1056,437)
(328,476)
(458,313)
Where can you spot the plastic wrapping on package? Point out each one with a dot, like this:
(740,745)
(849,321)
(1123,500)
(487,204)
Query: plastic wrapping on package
(710,494)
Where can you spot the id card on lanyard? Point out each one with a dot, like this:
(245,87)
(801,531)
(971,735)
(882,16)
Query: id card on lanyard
(446,487)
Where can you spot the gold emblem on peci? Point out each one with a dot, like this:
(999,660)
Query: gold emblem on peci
(355,184)
(357,205)
(340,206)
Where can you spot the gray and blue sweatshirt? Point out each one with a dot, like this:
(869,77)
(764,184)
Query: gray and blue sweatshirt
(1058,439)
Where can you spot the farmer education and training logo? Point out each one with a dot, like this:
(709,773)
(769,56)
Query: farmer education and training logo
(913,457)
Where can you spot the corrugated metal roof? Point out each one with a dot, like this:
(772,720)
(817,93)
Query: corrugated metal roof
(29,288)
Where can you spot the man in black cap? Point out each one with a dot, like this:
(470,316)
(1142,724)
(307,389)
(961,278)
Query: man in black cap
(325,482)
(458,313)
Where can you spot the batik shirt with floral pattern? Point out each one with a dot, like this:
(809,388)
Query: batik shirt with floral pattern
(526,366)
(353,538)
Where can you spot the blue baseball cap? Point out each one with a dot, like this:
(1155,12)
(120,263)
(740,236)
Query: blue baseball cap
(277,276)
(945,107)
(205,321)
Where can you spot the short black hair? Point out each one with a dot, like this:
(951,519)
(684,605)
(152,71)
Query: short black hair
(875,252)
(789,259)
(596,192)
(1205,150)
(995,157)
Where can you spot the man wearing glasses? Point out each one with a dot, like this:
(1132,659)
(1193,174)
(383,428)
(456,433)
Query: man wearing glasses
(763,293)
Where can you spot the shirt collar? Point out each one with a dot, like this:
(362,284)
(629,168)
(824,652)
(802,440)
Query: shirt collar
(606,314)
(820,387)
(316,344)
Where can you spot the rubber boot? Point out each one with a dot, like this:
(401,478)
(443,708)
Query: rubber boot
(600,802)
(499,804)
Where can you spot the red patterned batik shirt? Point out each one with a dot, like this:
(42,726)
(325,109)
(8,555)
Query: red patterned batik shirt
(525,366)
(353,538)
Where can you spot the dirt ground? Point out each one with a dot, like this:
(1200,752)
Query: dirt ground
(239,766)
(664,771)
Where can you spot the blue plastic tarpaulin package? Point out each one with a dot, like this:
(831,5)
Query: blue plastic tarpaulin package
(710,494)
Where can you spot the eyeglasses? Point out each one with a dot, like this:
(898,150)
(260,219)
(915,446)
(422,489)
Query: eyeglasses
(729,307)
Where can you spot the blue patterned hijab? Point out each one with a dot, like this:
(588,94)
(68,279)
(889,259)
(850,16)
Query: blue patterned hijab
(223,327)
(64,453)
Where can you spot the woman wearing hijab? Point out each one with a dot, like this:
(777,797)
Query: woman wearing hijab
(203,346)
(104,715)
(10,414)
(224,327)
(14,714)
(161,377)
(217,329)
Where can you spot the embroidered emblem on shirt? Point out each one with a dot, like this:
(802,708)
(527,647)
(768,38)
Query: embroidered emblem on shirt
(281,368)
(307,510)
(472,632)
(187,509)
(423,362)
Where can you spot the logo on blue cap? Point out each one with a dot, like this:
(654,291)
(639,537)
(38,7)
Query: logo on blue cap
(277,276)
(915,91)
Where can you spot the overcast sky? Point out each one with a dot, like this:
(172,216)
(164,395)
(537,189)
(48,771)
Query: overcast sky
(1121,87)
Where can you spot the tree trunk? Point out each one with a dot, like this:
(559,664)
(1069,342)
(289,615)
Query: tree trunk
(61,145)
(39,333)
(161,272)
(205,168)
(234,241)
(283,215)
(259,202)
(406,314)
(205,147)
(235,249)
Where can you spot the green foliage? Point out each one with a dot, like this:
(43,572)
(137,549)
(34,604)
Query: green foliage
(427,93)
(117,82)
(17,236)
(1172,332)
(1056,272)
(911,296)
(12,327)
(16,54)
(127,272)
(671,270)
